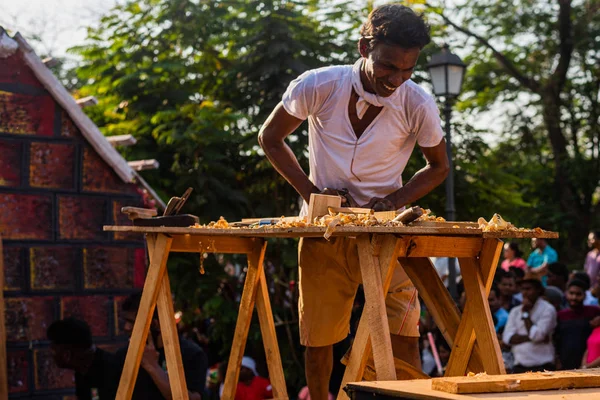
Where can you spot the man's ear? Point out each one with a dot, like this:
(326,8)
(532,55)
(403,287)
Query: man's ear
(363,47)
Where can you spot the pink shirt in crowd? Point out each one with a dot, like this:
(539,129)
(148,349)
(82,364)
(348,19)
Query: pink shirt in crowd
(593,346)
(517,262)
(592,265)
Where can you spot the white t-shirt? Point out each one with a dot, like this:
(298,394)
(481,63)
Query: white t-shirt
(379,157)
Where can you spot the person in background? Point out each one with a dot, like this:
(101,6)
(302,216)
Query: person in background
(508,288)
(574,326)
(153,381)
(589,300)
(541,256)
(513,257)
(592,260)
(500,314)
(97,371)
(591,357)
(519,274)
(529,329)
(554,296)
(558,275)
(251,386)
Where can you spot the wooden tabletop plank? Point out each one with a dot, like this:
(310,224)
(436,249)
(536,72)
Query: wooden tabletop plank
(420,389)
(317,231)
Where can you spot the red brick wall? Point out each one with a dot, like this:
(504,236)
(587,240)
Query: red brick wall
(56,193)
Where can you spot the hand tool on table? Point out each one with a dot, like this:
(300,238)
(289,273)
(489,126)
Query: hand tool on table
(171,216)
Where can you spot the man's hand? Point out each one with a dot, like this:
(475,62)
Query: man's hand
(347,200)
(150,356)
(380,204)
(594,323)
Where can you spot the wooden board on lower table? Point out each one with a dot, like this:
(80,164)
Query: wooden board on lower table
(420,389)
(482,383)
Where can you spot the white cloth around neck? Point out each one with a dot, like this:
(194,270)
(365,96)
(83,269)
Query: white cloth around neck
(365,98)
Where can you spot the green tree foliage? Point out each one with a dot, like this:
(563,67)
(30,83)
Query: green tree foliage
(539,60)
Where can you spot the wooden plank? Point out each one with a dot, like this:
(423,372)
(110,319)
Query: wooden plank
(158,249)
(438,301)
(170,338)
(375,310)
(255,269)
(121,140)
(319,204)
(88,129)
(520,235)
(213,244)
(430,246)
(480,314)
(361,346)
(465,337)
(269,335)
(3,360)
(421,390)
(312,231)
(87,101)
(531,381)
(143,165)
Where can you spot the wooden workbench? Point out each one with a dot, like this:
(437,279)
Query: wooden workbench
(421,390)
(378,248)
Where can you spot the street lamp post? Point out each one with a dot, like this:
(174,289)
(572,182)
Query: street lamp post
(447,71)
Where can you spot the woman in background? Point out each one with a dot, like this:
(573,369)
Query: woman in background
(512,257)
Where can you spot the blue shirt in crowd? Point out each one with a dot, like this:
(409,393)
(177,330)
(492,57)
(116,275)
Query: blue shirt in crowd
(537,258)
(501,318)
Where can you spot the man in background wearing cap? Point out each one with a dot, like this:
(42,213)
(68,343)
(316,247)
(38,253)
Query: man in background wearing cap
(529,329)
(251,386)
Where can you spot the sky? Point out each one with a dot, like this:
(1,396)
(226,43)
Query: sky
(60,23)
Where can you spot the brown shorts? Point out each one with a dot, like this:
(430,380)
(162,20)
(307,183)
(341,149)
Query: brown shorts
(329,278)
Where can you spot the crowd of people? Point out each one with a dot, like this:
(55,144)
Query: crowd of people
(546,316)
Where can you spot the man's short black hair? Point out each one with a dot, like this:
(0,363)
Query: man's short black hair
(536,283)
(517,272)
(559,269)
(397,25)
(584,277)
(579,283)
(495,289)
(70,331)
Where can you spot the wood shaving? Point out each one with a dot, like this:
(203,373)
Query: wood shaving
(429,216)
(499,224)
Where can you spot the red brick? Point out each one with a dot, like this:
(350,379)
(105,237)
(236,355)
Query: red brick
(117,302)
(91,309)
(139,269)
(67,127)
(10,163)
(14,70)
(53,267)
(23,114)
(26,216)
(108,267)
(121,219)
(81,218)
(51,165)
(47,374)
(17,363)
(98,176)
(13,268)
(27,319)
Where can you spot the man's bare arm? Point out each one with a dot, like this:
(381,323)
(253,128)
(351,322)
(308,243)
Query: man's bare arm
(426,179)
(271,138)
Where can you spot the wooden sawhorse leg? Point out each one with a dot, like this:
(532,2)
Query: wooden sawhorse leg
(477,322)
(156,289)
(255,291)
(378,261)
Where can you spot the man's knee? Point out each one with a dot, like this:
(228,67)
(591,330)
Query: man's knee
(319,355)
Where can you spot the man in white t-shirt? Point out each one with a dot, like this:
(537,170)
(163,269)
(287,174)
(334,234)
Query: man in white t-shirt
(364,121)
